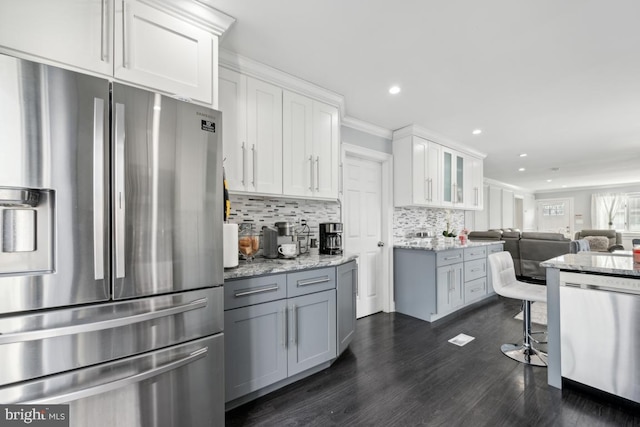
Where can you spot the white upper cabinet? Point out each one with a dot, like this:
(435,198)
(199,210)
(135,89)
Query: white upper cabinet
(252,133)
(297,143)
(233,104)
(75,33)
(417,172)
(453,193)
(264,137)
(427,173)
(311,147)
(169,46)
(326,149)
(158,50)
(474,186)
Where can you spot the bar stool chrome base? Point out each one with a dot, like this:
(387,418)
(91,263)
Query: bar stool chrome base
(520,353)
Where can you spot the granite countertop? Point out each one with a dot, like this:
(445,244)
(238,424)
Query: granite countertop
(425,244)
(595,263)
(261,266)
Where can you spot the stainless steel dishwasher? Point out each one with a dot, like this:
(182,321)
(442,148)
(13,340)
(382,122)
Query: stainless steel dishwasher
(600,332)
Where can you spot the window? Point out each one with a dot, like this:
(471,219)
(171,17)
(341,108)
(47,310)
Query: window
(633,212)
(553,210)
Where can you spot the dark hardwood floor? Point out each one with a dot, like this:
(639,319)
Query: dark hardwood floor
(400,371)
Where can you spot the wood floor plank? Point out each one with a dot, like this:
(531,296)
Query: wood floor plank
(401,371)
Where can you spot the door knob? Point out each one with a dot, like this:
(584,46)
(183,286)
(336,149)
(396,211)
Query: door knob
(380,244)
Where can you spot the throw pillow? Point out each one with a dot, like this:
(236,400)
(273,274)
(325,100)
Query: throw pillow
(598,243)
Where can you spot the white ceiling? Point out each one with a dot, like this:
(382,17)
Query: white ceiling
(558,80)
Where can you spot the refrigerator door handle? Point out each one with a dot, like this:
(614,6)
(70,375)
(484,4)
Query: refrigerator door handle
(114,385)
(98,188)
(119,191)
(39,334)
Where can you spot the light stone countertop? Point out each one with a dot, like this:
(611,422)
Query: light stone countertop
(593,262)
(261,266)
(425,244)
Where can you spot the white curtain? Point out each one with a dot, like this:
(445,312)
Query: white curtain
(603,209)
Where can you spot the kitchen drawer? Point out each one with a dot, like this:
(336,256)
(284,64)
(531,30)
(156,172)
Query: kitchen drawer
(475,289)
(475,253)
(475,269)
(494,248)
(310,281)
(255,290)
(449,257)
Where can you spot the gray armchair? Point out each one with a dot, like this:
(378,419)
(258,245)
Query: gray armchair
(614,243)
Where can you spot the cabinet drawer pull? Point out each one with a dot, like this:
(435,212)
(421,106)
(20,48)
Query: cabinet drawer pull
(473,270)
(452,257)
(244,293)
(313,281)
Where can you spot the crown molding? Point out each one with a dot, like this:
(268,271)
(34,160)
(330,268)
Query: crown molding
(252,68)
(437,138)
(366,127)
(590,188)
(496,183)
(198,12)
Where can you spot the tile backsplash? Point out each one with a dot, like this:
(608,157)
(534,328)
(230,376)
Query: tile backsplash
(265,210)
(408,220)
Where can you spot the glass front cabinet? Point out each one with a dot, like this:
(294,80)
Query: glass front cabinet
(453,192)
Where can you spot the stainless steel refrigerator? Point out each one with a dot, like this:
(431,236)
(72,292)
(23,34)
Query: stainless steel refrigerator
(111,251)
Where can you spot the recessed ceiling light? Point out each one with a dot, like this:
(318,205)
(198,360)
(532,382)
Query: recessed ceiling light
(521,169)
(477,131)
(564,186)
(549,180)
(523,155)
(394,90)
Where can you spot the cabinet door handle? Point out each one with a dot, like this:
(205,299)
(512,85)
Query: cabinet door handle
(431,189)
(103,35)
(244,293)
(311,173)
(284,327)
(294,326)
(255,163)
(317,173)
(244,165)
(313,281)
(125,33)
(426,189)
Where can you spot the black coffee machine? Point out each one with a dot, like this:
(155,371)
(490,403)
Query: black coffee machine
(331,238)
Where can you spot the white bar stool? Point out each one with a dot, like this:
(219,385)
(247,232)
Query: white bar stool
(504,283)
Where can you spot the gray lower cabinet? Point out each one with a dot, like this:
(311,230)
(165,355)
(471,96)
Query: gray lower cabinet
(450,288)
(282,325)
(346,290)
(255,347)
(432,284)
(312,335)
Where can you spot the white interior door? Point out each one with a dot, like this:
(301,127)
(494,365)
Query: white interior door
(363,229)
(555,216)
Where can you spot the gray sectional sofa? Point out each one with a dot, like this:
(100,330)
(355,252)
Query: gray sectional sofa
(528,249)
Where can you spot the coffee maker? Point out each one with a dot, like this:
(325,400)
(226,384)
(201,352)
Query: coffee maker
(331,238)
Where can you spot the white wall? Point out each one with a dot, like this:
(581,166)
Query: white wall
(582,200)
(366,140)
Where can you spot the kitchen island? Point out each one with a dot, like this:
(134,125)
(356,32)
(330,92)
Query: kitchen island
(285,319)
(433,280)
(593,312)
